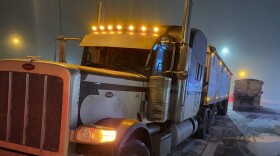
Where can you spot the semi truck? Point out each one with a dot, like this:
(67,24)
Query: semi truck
(139,90)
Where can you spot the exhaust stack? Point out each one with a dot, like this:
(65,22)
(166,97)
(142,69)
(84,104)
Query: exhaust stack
(185,36)
(186,21)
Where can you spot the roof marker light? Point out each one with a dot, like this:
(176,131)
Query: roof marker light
(110,27)
(101,27)
(94,28)
(156,29)
(221,63)
(143,28)
(131,28)
(119,27)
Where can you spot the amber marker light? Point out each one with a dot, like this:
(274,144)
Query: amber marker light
(110,27)
(156,29)
(95,134)
(212,54)
(208,99)
(119,27)
(131,28)
(221,63)
(143,28)
(101,27)
(94,28)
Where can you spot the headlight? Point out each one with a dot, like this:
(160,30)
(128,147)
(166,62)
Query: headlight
(94,134)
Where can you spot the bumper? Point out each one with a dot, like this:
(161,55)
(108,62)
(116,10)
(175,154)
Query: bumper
(5,152)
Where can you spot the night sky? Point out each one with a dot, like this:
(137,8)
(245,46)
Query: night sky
(250,29)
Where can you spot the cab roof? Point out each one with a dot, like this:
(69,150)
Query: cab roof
(125,39)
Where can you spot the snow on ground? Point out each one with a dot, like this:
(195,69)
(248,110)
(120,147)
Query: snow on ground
(240,133)
(261,129)
(264,144)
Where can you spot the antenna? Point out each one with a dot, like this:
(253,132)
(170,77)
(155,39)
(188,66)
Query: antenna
(60,25)
(100,13)
(60,29)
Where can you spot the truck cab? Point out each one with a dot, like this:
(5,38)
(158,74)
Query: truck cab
(138,91)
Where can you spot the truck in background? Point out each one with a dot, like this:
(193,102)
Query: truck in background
(247,94)
(138,91)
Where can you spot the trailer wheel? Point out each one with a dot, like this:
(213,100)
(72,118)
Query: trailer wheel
(212,117)
(135,148)
(203,127)
(222,108)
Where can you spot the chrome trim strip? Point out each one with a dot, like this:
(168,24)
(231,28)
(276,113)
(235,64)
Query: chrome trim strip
(44,113)
(25,120)
(9,107)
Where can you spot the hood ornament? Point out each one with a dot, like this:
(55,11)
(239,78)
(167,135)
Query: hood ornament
(33,58)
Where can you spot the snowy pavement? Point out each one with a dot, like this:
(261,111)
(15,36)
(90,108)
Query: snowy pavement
(238,134)
(260,129)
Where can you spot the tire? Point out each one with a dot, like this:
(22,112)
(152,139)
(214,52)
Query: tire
(212,117)
(135,148)
(225,107)
(222,108)
(206,122)
(203,127)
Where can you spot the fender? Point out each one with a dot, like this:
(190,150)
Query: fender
(127,130)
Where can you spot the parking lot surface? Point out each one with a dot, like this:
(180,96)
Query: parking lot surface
(240,133)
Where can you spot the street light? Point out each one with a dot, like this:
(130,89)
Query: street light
(242,74)
(17,42)
(225,50)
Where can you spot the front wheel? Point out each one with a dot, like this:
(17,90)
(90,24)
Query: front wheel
(135,148)
(203,127)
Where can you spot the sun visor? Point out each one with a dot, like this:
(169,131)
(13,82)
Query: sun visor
(119,40)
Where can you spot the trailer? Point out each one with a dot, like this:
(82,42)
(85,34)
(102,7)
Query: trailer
(140,90)
(215,92)
(247,94)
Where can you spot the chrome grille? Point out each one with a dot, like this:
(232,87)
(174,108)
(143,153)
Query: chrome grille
(31,109)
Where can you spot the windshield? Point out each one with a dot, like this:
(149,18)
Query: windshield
(126,59)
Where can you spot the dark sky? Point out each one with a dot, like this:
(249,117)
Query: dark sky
(250,29)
